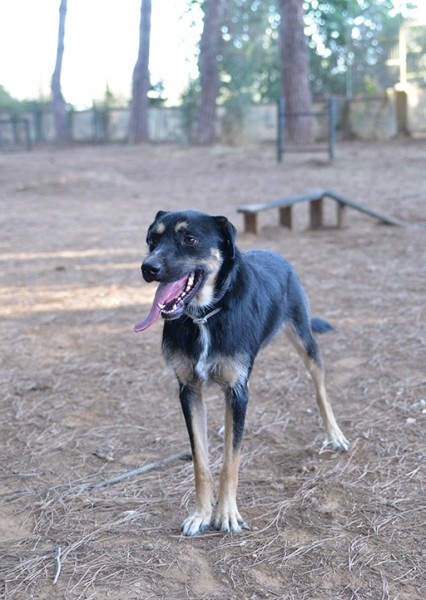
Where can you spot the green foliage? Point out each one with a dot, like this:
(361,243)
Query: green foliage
(16,107)
(249,61)
(349,42)
(371,87)
(190,99)
(6,100)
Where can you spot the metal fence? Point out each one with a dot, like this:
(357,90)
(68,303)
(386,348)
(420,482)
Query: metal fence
(15,134)
(328,114)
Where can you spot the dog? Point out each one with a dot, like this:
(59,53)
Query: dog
(220,306)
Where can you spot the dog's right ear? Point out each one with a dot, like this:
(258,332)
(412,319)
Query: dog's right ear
(160,214)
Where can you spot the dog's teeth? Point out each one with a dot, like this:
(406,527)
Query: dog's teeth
(190,282)
(180,298)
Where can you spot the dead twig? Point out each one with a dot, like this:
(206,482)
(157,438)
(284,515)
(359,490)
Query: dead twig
(58,564)
(134,472)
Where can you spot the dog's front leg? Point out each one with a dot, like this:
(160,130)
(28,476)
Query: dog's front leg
(227,517)
(195,418)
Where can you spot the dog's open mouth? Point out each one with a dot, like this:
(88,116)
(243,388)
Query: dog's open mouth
(171,299)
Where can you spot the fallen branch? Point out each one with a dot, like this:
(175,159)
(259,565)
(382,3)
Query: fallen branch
(149,467)
(127,474)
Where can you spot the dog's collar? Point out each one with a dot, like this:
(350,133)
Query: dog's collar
(203,320)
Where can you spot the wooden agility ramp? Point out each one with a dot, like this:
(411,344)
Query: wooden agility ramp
(316,201)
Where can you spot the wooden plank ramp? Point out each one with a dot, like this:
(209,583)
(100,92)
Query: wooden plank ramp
(316,201)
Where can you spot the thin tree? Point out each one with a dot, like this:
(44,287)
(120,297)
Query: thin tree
(138,126)
(295,71)
(59,108)
(209,72)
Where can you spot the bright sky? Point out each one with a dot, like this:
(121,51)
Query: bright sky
(101,45)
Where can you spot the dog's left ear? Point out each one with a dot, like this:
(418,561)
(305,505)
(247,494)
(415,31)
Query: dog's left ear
(228,233)
(160,214)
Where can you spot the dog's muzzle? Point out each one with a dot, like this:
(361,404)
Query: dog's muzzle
(171,298)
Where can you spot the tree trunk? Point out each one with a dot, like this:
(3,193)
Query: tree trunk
(295,71)
(138,126)
(209,73)
(59,110)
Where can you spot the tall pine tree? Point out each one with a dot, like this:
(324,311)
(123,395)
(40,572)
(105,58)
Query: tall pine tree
(59,109)
(209,72)
(295,71)
(138,126)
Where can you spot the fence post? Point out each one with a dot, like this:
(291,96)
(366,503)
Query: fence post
(281,129)
(15,133)
(331,127)
(36,119)
(28,142)
(70,124)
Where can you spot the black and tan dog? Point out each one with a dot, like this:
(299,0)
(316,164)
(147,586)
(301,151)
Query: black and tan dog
(220,306)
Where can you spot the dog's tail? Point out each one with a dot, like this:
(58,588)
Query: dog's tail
(321,326)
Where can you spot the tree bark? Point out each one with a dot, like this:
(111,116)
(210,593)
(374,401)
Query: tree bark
(138,126)
(209,72)
(295,71)
(62,135)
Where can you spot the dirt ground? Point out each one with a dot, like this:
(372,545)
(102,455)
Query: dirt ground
(84,399)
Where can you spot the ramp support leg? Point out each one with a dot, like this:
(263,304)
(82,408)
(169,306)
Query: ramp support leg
(316,210)
(285,216)
(251,224)
(342,215)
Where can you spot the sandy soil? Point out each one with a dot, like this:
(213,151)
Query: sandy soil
(84,399)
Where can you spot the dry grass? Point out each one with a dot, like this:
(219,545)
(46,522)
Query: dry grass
(84,400)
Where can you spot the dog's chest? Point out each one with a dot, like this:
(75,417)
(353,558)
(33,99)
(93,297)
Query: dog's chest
(204,359)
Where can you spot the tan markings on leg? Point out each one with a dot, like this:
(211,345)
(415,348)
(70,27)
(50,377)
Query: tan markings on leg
(229,371)
(182,365)
(333,431)
(203,478)
(181,225)
(200,520)
(227,517)
(161,228)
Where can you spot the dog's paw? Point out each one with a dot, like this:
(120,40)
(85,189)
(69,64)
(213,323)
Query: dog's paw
(227,520)
(196,524)
(335,442)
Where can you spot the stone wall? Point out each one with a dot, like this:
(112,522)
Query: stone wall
(416,111)
(366,118)
(372,118)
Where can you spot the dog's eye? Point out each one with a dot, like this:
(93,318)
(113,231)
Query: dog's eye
(190,241)
(152,242)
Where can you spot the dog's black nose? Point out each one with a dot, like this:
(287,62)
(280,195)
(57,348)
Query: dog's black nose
(150,270)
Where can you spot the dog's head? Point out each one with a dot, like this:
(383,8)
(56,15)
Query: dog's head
(187,252)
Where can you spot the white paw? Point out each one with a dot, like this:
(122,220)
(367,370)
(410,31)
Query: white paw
(226,520)
(196,523)
(335,442)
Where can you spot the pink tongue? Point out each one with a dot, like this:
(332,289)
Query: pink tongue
(164,294)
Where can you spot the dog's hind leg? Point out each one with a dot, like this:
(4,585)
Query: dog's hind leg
(227,517)
(307,347)
(195,418)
